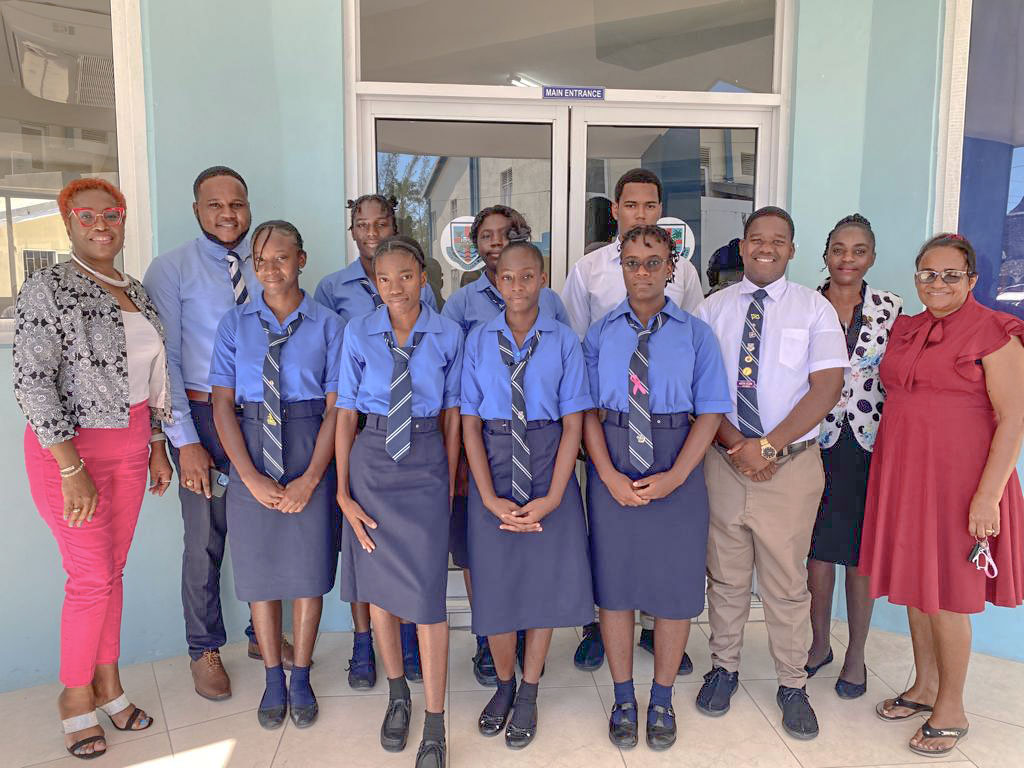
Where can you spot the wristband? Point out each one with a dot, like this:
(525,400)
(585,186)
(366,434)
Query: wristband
(73,470)
(157,437)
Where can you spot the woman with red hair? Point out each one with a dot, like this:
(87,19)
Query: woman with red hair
(90,375)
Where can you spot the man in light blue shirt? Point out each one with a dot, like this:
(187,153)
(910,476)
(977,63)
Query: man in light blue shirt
(192,287)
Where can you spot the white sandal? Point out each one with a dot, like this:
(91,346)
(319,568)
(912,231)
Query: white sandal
(120,704)
(80,723)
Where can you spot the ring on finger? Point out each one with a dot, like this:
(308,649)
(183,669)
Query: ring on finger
(189,483)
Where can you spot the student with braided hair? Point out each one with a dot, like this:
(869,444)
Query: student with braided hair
(847,438)
(352,292)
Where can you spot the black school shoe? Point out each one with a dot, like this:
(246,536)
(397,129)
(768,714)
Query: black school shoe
(493,717)
(661,733)
(483,664)
(432,754)
(623,734)
(522,727)
(394,731)
(647,644)
(798,718)
(590,652)
(716,693)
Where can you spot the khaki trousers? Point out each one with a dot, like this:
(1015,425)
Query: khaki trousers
(765,525)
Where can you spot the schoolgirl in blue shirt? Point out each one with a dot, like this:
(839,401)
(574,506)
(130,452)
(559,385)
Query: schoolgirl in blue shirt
(274,389)
(401,365)
(524,391)
(351,292)
(652,366)
(480,301)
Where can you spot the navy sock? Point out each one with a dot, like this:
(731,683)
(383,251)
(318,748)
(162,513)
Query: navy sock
(525,715)
(501,701)
(399,688)
(408,634)
(481,641)
(661,696)
(624,694)
(274,695)
(300,694)
(433,726)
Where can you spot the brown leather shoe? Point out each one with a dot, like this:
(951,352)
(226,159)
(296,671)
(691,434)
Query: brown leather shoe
(210,678)
(287,653)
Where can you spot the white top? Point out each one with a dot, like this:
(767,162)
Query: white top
(145,360)
(800,334)
(595,287)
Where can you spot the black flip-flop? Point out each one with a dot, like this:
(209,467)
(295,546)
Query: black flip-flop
(899,701)
(939,733)
(119,705)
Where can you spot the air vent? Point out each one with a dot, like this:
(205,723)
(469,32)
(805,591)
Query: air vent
(747,163)
(705,157)
(506,187)
(96,81)
(91,134)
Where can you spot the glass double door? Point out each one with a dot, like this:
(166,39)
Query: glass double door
(557,164)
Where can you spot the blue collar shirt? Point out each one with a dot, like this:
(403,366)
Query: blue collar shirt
(686,374)
(470,305)
(364,379)
(309,358)
(343,292)
(555,380)
(192,291)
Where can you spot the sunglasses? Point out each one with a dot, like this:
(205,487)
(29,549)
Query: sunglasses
(949,276)
(87,217)
(632,265)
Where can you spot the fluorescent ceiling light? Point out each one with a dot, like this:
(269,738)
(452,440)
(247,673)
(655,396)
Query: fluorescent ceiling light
(522,81)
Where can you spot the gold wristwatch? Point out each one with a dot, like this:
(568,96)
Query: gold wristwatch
(768,452)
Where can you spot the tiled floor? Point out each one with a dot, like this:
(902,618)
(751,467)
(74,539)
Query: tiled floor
(190,731)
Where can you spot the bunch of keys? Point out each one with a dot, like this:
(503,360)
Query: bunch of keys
(982,559)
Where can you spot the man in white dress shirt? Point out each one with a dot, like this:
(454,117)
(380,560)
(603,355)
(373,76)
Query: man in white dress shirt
(593,289)
(785,354)
(594,286)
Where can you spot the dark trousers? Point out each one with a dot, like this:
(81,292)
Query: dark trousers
(206,529)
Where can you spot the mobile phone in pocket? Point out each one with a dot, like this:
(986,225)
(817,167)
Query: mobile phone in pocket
(218,482)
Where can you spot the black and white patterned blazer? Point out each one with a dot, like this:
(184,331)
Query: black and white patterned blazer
(863,395)
(70,354)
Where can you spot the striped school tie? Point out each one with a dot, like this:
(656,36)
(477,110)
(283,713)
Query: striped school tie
(237,280)
(273,446)
(496,300)
(746,383)
(641,440)
(399,436)
(522,479)
(378,302)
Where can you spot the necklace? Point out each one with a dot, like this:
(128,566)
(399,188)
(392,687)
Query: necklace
(123,283)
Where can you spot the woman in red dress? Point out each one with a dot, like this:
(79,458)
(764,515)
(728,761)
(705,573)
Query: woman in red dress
(943,479)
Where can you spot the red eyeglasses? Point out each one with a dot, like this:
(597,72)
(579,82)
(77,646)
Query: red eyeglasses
(87,217)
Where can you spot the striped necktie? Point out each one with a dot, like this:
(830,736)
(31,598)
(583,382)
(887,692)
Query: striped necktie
(750,352)
(378,302)
(237,280)
(496,300)
(273,446)
(522,479)
(641,441)
(399,436)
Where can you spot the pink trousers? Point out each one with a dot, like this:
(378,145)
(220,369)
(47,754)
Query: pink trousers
(94,555)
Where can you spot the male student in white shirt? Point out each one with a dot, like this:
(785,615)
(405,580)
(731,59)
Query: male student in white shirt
(594,288)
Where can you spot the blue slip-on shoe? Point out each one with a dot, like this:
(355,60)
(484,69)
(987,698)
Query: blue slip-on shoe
(716,693)
(590,652)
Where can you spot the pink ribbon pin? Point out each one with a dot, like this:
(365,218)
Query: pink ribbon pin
(638,386)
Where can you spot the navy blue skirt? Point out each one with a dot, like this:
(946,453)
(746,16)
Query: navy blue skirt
(407,573)
(528,580)
(650,558)
(276,556)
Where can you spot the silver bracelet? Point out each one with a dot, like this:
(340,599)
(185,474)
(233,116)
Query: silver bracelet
(74,470)
(156,437)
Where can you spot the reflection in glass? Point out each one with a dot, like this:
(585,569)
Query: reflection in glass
(707,176)
(444,172)
(992,174)
(56,124)
(676,45)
